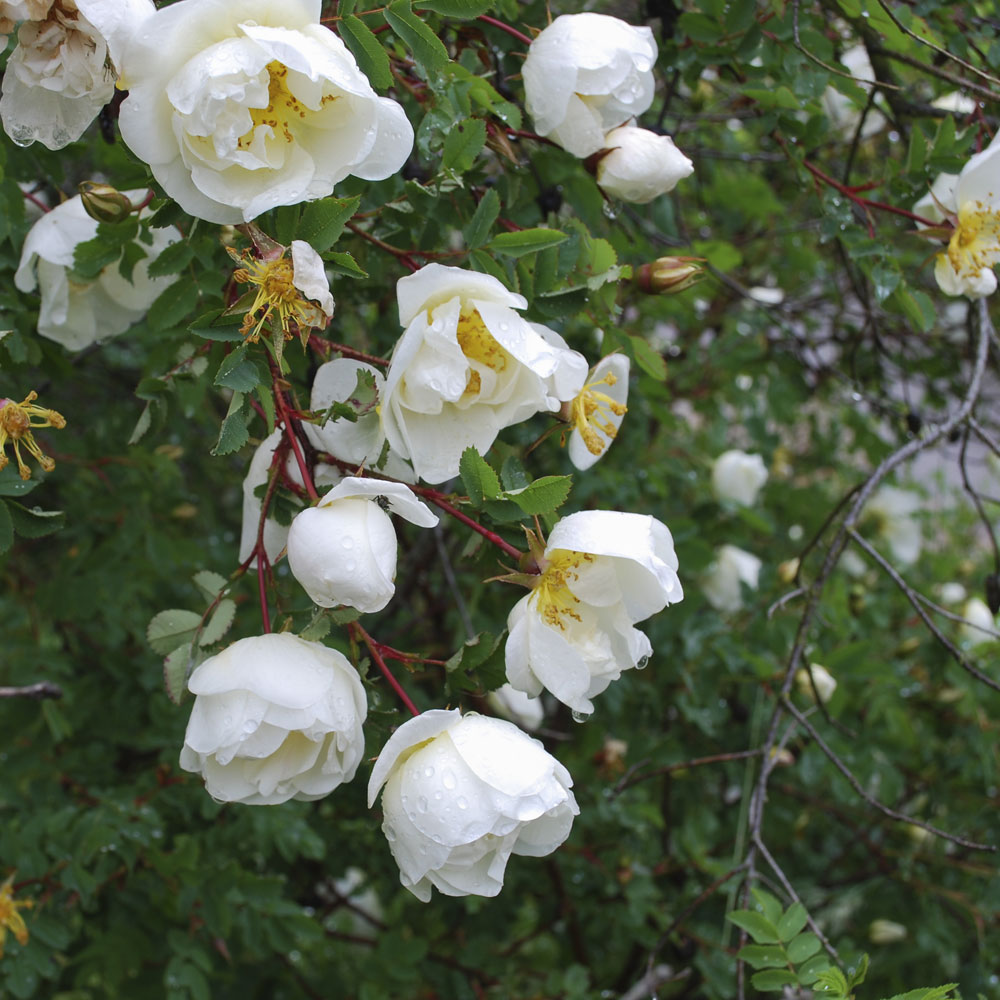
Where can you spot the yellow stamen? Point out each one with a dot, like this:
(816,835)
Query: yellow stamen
(17,421)
(276,296)
(283,108)
(479,345)
(593,411)
(975,244)
(554,597)
(10,919)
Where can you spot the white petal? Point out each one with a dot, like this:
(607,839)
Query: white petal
(414,731)
(310,276)
(401,498)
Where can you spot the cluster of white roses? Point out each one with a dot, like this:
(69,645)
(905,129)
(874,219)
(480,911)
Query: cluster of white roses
(586,78)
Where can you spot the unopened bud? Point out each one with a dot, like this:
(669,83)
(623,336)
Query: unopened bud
(788,570)
(816,677)
(885,932)
(104,203)
(670,275)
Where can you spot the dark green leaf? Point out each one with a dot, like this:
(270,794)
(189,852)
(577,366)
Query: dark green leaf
(233,434)
(756,925)
(481,223)
(802,946)
(792,922)
(650,361)
(764,956)
(773,980)
(426,47)
(239,372)
(478,477)
(174,258)
(367,49)
(323,221)
(172,628)
(6,528)
(172,305)
(464,142)
(544,495)
(526,241)
(457,8)
(34,523)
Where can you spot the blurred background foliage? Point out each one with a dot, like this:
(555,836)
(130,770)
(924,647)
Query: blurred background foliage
(143,887)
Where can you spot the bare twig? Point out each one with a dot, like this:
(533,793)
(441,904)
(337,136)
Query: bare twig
(43,689)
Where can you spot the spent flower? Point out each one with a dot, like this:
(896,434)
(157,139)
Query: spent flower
(10,919)
(18,421)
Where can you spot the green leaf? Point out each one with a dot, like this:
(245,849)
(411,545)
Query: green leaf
(426,47)
(792,922)
(481,223)
(764,956)
(927,993)
(92,256)
(801,947)
(832,981)
(543,496)
(172,628)
(233,433)
(773,980)
(323,221)
(142,425)
(318,628)
(219,624)
(344,263)
(367,49)
(175,672)
(174,258)
(210,584)
(770,905)
(473,652)
(756,925)
(810,970)
(239,372)
(217,324)
(457,8)
(479,479)
(172,305)
(6,528)
(34,522)
(464,142)
(12,485)
(526,241)
(513,474)
(650,361)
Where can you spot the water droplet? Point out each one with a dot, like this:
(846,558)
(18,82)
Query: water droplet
(438,795)
(350,565)
(448,780)
(580,716)
(347,542)
(422,803)
(462,802)
(609,211)
(642,663)
(428,772)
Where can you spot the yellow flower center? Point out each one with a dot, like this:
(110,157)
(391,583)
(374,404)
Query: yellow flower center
(975,244)
(10,919)
(17,420)
(276,296)
(479,345)
(593,410)
(283,107)
(554,597)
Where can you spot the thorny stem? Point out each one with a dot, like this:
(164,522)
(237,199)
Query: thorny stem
(438,498)
(375,649)
(327,347)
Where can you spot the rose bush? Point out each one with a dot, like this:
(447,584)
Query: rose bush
(275,718)
(463,793)
(239,107)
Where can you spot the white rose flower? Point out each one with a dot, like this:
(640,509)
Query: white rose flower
(738,477)
(891,510)
(466,366)
(241,106)
(843,113)
(356,442)
(275,718)
(641,165)
(824,681)
(573,635)
(343,551)
(275,534)
(886,932)
(980,623)
(63,70)
(966,267)
(951,592)
(939,200)
(732,568)
(597,411)
(464,793)
(76,313)
(528,713)
(586,74)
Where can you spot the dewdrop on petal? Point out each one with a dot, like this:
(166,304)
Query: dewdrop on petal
(17,421)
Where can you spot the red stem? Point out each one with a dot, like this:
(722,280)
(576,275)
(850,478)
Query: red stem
(491,536)
(381,664)
(261,586)
(37,202)
(513,32)
(326,347)
(287,421)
